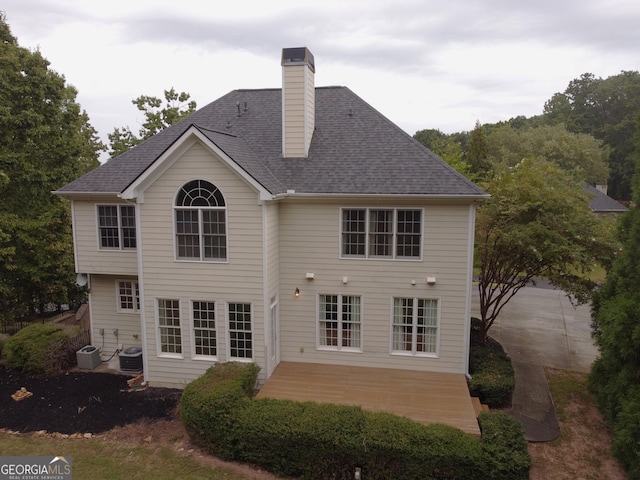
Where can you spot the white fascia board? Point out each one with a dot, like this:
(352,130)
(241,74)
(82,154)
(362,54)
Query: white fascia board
(174,152)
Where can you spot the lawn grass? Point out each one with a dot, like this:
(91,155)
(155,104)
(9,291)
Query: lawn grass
(583,449)
(100,459)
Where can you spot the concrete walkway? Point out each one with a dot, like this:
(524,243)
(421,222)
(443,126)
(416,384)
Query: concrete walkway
(540,328)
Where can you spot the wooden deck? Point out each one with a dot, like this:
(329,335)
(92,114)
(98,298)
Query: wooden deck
(427,397)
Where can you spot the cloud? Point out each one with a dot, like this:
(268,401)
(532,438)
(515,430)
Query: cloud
(422,63)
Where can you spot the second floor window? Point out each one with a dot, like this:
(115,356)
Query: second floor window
(381,233)
(200,222)
(117,226)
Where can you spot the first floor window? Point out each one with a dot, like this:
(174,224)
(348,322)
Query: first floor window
(169,326)
(240,335)
(128,296)
(339,321)
(204,328)
(415,325)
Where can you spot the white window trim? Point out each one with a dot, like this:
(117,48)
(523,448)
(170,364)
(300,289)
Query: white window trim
(159,351)
(339,347)
(392,257)
(414,353)
(120,246)
(192,328)
(228,333)
(200,209)
(136,297)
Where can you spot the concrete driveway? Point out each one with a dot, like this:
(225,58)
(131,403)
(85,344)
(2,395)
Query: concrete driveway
(538,328)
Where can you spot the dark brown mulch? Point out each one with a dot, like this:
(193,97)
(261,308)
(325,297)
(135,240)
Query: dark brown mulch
(79,402)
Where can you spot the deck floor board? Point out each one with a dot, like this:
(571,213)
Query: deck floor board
(427,397)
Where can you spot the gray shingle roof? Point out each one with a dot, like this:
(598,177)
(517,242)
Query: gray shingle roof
(602,203)
(354,150)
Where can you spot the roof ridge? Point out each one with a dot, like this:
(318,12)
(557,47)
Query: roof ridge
(213,130)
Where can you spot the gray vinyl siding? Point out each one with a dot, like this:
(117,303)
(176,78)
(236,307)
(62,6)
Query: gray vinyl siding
(104,314)
(89,257)
(310,242)
(299,110)
(239,279)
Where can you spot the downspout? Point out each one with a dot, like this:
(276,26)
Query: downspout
(143,323)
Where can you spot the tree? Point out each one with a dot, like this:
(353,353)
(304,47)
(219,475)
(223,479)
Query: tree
(615,375)
(536,224)
(606,109)
(157,118)
(477,154)
(45,142)
(447,147)
(578,153)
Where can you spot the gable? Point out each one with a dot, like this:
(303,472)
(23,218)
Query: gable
(211,142)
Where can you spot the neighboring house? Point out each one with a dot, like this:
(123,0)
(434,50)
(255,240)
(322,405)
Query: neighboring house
(293,224)
(602,204)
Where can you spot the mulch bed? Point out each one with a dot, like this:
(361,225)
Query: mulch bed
(79,402)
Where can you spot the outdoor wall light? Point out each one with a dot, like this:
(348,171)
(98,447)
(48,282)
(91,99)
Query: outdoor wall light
(297,292)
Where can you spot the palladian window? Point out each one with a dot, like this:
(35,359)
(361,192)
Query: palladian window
(200,222)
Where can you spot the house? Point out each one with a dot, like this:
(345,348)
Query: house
(294,224)
(602,204)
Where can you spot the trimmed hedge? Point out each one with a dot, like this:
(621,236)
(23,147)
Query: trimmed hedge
(39,348)
(505,450)
(492,376)
(311,440)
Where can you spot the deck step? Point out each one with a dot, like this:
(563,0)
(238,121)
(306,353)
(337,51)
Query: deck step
(479,407)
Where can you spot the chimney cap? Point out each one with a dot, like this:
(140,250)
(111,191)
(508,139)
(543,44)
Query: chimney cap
(298,56)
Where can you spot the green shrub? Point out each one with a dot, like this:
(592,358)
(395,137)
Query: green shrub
(505,449)
(209,405)
(626,440)
(492,377)
(311,440)
(39,348)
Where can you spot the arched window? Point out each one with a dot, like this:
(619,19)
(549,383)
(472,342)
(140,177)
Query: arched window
(201,231)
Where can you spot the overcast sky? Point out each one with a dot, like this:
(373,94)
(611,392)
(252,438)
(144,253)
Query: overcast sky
(422,63)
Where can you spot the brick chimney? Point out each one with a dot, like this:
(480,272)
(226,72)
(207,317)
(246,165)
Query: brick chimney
(298,101)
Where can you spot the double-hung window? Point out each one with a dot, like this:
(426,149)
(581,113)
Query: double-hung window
(169,326)
(381,233)
(117,226)
(240,332)
(339,322)
(128,296)
(415,326)
(204,328)
(200,222)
